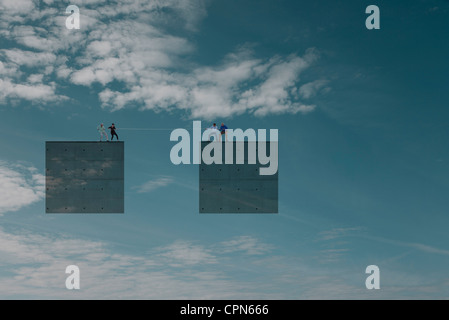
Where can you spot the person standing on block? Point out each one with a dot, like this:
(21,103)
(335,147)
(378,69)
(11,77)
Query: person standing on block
(214,132)
(223,129)
(113,133)
(102,130)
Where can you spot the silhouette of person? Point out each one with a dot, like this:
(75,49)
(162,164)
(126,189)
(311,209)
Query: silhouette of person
(113,133)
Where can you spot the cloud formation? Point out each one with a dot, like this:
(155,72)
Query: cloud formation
(20,186)
(130,49)
(247,244)
(36,263)
(33,266)
(154,184)
(310,89)
(186,253)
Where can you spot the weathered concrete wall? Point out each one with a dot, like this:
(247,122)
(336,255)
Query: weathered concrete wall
(84,177)
(237,188)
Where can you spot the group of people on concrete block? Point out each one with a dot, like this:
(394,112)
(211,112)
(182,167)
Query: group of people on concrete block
(218,132)
(102,130)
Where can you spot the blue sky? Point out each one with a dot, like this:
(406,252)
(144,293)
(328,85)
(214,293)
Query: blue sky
(363,147)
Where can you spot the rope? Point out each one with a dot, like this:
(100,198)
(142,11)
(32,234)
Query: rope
(158,129)
(154,129)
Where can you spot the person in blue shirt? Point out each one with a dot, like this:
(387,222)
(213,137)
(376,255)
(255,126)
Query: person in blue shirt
(223,129)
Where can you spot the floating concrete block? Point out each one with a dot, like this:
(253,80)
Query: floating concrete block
(84,177)
(237,188)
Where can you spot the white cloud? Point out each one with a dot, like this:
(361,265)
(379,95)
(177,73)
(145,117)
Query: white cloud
(185,253)
(29,58)
(154,184)
(20,186)
(337,233)
(33,266)
(33,92)
(225,90)
(272,96)
(310,89)
(36,262)
(127,42)
(99,48)
(16,6)
(7,70)
(36,87)
(85,76)
(35,78)
(247,244)
(335,244)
